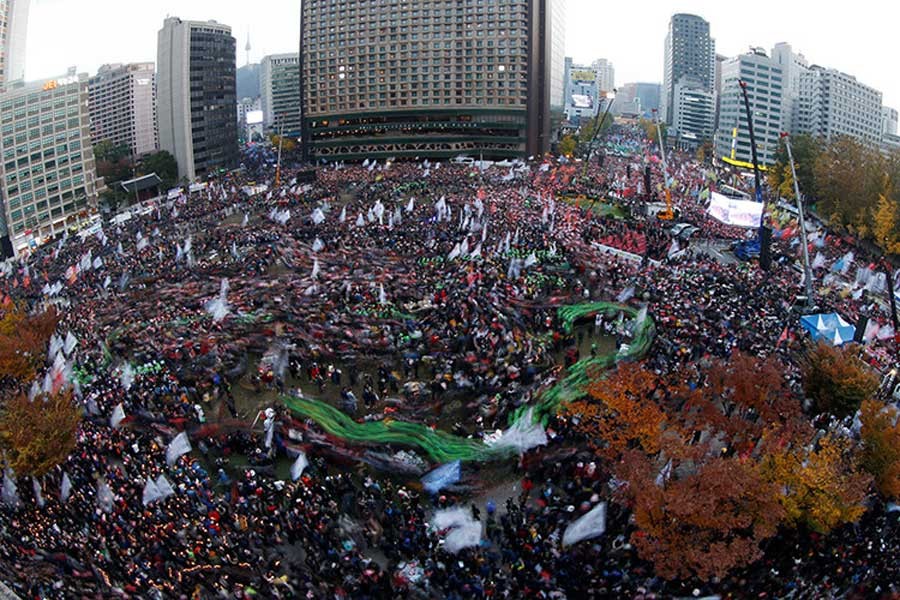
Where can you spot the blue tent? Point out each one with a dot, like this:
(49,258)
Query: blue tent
(829,327)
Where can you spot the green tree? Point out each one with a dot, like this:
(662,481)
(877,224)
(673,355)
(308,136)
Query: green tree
(567,146)
(163,164)
(705,152)
(806,150)
(849,176)
(836,379)
(586,133)
(106,151)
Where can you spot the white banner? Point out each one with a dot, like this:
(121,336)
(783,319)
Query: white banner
(741,213)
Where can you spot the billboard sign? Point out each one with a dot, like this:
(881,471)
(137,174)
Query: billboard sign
(731,211)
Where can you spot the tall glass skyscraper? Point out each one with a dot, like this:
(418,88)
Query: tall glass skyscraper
(690,54)
(197,104)
(433,78)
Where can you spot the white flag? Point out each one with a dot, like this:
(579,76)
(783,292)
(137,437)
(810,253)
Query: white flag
(151,492)
(38,496)
(586,527)
(165,488)
(10,493)
(177,447)
(818,261)
(127,377)
(70,343)
(117,417)
(65,488)
(299,466)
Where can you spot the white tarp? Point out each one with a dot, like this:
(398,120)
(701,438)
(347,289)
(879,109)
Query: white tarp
(524,435)
(741,213)
(588,526)
(461,529)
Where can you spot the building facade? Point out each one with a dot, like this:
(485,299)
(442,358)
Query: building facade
(47,174)
(13,31)
(793,65)
(196,96)
(643,97)
(122,102)
(764,81)
(690,53)
(279,85)
(606,75)
(888,121)
(435,78)
(693,114)
(582,94)
(834,104)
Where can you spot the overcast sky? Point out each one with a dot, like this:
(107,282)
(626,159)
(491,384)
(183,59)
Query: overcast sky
(858,37)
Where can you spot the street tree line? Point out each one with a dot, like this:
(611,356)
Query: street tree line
(853,186)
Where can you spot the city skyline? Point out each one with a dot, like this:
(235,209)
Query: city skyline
(126,32)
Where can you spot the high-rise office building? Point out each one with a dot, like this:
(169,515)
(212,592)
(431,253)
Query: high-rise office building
(47,175)
(764,88)
(888,121)
(793,65)
(279,85)
(587,89)
(606,74)
(123,106)
(693,114)
(690,54)
(13,29)
(834,104)
(435,78)
(197,106)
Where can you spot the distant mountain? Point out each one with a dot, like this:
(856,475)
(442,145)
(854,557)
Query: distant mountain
(248,81)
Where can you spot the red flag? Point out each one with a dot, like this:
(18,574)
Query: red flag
(783,338)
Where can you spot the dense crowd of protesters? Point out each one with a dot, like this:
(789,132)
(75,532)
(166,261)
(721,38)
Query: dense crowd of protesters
(414,291)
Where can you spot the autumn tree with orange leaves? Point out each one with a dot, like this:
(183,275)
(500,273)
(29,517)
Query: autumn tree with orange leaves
(617,415)
(36,435)
(23,343)
(712,461)
(821,485)
(703,522)
(881,446)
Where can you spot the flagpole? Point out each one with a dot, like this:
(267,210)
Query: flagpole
(807,271)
